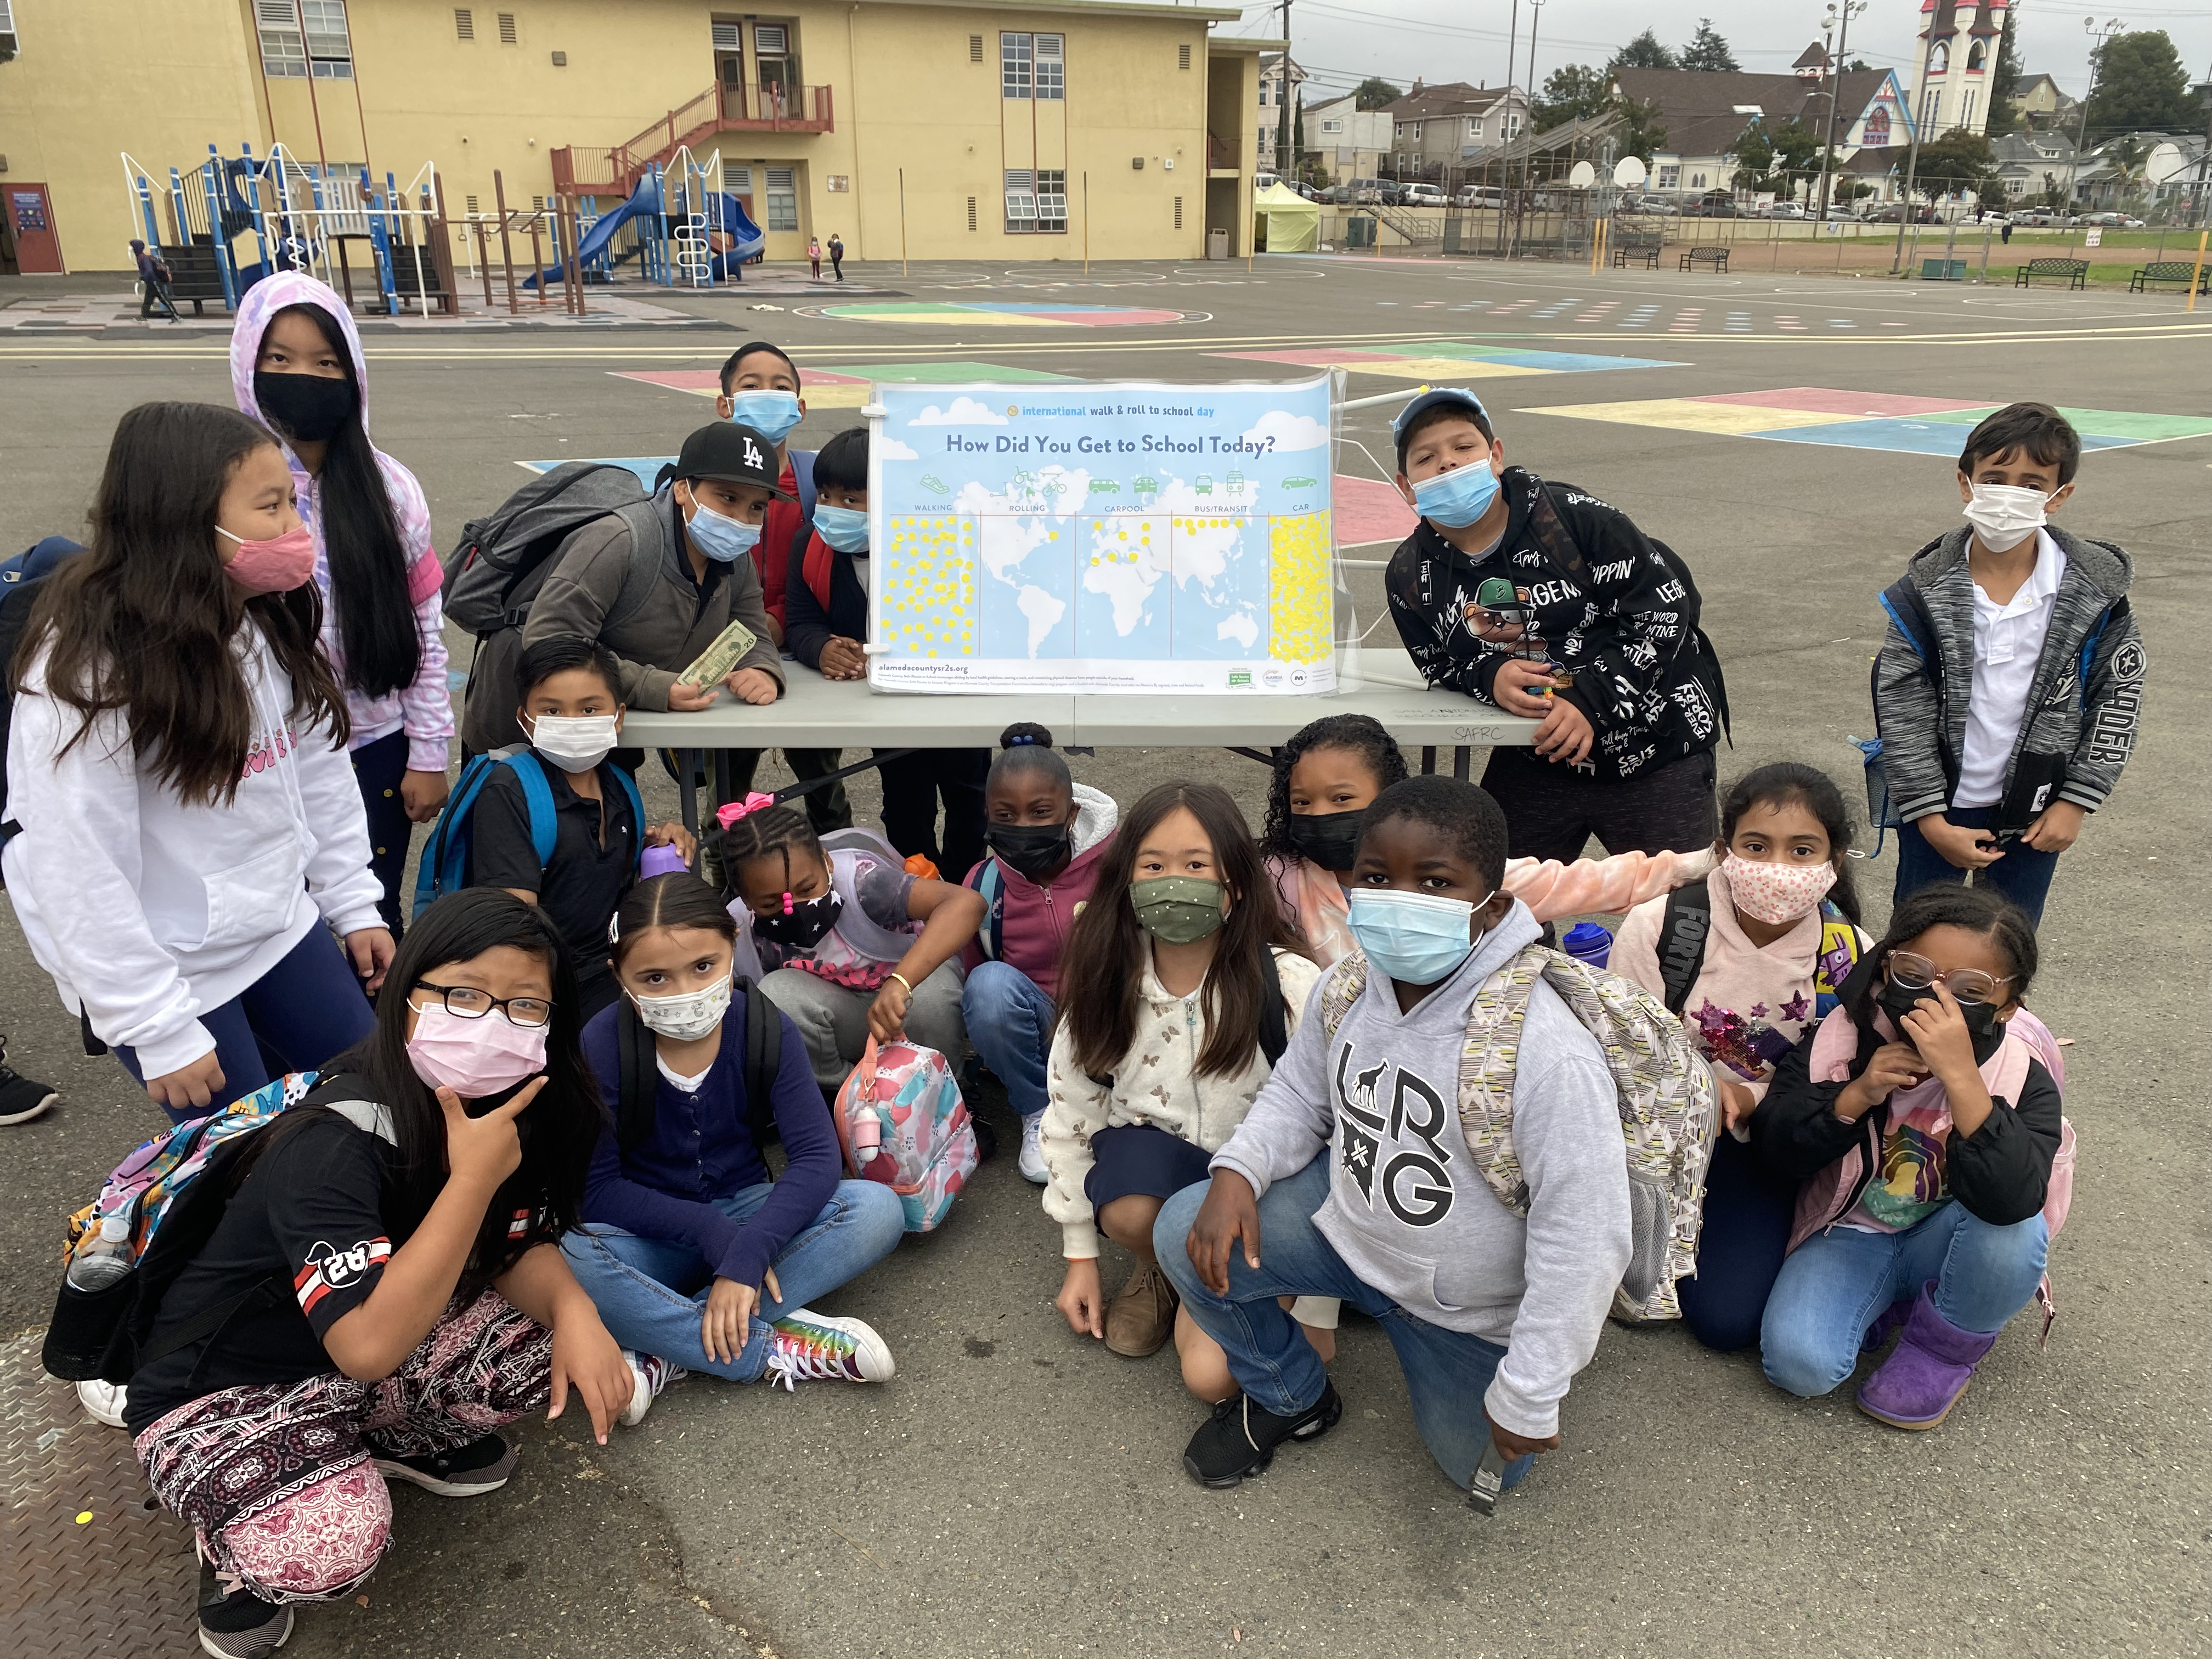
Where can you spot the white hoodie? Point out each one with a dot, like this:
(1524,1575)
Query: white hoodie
(147,909)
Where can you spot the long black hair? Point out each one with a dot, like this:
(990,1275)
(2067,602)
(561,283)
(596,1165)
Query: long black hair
(1359,735)
(1981,910)
(1793,783)
(141,626)
(361,539)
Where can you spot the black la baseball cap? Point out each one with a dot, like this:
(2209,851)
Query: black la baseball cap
(732,454)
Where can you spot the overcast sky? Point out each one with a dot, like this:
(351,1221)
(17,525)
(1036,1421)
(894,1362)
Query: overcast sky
(1343,41)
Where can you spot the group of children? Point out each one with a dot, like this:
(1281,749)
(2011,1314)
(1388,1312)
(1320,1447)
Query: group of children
(534,1159)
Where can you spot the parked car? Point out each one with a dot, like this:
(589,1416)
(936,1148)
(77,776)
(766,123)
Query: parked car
(1783,210)
(2111,221)
(1665,206)
(1837,210)
(1921,213)
(1365,193)
(1419,195)
(1712,207)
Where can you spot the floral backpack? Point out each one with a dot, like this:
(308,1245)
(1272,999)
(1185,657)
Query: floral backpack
(1666,1099)
(901,1120)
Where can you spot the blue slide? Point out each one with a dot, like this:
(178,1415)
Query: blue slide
(728,215)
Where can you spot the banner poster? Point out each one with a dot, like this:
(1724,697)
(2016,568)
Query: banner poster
(1117,537)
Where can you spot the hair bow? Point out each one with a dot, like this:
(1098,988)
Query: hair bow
(731,811)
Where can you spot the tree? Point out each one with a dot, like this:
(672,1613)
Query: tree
(1860,66)
(1643,129)
(1959,161)
(1374,93)
(1571,93)
(1644,52)
(2142,87)
(1754,158)
(2004,82)
(1707,50)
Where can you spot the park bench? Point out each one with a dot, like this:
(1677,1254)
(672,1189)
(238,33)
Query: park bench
(1715,257)
(1645,251)
(2075,271)
(2183,271)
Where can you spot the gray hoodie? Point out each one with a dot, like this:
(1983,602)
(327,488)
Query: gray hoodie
(1407,1210)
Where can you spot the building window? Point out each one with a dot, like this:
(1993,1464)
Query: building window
(1331,126)
(325,52)
(1977,55)
(738,181)
(1021,201)
(1877,130)
(464,23)
(1696,181)
(1966,108)
(1931,100)
(1052,199)
(1183,57)
(1938,58)
(1052,66)
(1263,95)
(1014,65)
(771,40)
(1670,178)
(726,37)
(1416,132)
(507,36)
(1474,127)
(282,52)
(782,209)
(1512,125)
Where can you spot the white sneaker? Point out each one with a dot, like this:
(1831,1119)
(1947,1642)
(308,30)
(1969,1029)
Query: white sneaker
(807,1347)
(1032,1160)
(103,1401)
(649,1375)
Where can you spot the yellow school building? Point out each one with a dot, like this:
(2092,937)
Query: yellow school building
(998,130)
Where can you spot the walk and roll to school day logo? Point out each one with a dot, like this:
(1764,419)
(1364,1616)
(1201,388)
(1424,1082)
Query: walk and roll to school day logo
(1103,538)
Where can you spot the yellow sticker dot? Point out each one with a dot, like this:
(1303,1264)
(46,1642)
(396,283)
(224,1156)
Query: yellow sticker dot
(83,1517)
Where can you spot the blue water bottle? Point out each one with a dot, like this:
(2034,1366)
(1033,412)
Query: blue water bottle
(1588,941)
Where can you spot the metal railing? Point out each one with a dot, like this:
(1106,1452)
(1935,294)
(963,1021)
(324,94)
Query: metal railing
(745,106)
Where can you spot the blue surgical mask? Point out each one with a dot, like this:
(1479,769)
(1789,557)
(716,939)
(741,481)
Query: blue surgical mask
(845,528)
(725,540)
(771,414)
(1417,938)
(1457,498)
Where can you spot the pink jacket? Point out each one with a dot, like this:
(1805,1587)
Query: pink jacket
(1028,923)
(423,710)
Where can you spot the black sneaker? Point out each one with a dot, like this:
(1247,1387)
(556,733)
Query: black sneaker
(469,1471)
(21,1099)
(1240,1438)
(241,1625)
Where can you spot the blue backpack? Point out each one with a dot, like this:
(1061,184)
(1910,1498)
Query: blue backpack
(445,867)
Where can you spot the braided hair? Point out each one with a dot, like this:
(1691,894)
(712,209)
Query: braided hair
(771,830)
(1358,734)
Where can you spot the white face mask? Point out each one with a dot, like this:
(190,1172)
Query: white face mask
(2004,516)
(573,743)
(689,1016)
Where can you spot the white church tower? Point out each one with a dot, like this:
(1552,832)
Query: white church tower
(1957,60)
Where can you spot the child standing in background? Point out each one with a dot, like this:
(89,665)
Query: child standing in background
(297,366)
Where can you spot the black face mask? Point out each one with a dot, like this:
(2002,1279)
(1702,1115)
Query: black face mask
(803,928)
(1981,1018)
(1033,850)
(1329,839)
(309,407)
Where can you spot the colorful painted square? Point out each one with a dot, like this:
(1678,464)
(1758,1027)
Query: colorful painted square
(1449,363)
(822,388)
(999,312)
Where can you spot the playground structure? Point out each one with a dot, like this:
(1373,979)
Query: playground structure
(683,228)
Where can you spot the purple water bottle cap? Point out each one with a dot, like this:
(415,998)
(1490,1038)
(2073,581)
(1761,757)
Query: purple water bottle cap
(660,861)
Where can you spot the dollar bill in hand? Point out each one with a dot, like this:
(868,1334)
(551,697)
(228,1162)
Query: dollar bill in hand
(716,661)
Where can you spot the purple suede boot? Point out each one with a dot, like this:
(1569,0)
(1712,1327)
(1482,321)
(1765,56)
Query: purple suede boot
(1879,1333)
(1923,1377)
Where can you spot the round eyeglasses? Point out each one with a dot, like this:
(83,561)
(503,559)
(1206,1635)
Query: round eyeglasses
(466,1002)
(1969,987)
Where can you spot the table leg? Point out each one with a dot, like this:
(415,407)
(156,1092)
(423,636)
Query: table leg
(722,775)
(1461,757)
(687,762)
(1428,761)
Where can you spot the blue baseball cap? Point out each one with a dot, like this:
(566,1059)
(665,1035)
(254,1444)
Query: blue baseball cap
(1442,395)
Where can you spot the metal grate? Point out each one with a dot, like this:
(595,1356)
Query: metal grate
(506,28)
(1183,57)
(975,48)
(971,213)
(1178,223)
(464,23)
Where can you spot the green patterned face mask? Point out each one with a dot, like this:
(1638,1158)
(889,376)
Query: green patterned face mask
(1177,909)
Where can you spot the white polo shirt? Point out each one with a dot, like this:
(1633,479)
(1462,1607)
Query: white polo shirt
(2007,645)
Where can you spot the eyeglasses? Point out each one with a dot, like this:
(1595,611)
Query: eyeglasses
(1969,987)
(466,1002)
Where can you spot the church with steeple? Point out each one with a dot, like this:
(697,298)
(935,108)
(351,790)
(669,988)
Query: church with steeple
(1957,60)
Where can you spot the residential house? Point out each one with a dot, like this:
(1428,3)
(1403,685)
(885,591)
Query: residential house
(2138,171)
(2032,163)
(1438,133)
(1707,112)
(1952,64)
(1273,101)
(1346,141)
(2041,104)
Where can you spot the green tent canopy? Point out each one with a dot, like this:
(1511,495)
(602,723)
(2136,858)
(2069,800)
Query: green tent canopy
(1284,221)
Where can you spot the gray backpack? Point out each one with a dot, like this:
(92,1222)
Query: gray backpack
(502,559)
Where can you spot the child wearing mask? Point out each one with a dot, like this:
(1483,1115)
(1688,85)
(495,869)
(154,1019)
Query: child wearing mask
(297,366)
(416,1199)
(699,1260)
(709,516)
(1755,959)
(1175,975)
(1924,1125)
(1351,1177)
(188,844)
(843,937)
(1049,835)
(2009,686)
(571,710)
(827,599)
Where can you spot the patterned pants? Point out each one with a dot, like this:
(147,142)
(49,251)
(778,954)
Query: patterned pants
(279,1480)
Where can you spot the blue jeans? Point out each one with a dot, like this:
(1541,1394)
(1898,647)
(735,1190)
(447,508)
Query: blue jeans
(2022,875)
(651,1292)
(1447,1372)
(307,1008)
(1010,1021)
(1837,1283)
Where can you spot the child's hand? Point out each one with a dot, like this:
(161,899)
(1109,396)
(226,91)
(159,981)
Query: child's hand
(1895,1066)
(1080,1301)
(421,794)
(1518,1445)
(1737,1104)
(887,1013)
(371,949)
(727,1321)
(843,660)
(1565,734)
(586,1356)
(1962,849)
(485,1150)
(1231,1213)
(1513,688)
(691,699)
(751,685)
(192,1086)
(672,834)
(1939,1031)
(2057,828)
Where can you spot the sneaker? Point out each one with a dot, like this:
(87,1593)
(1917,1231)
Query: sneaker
(1139,1320)
(1033,1170)
(1240,1437)
(103,1401)
(649,1375)
(805,1346)
(242,1626)
(469,1471)
(21,1099)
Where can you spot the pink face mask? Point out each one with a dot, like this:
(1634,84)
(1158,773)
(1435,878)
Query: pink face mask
(474,1058)
(275,565)
(1776,894)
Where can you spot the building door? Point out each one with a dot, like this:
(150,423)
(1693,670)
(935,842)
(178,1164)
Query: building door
(31,222)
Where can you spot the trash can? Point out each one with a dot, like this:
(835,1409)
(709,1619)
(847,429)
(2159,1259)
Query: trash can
(1359,231)
(1216,243)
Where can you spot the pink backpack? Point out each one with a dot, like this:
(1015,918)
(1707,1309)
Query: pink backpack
(901,1122)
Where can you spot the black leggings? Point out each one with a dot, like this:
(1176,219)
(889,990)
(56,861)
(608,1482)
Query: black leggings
(1746,1230)
(911,788)
(377,768)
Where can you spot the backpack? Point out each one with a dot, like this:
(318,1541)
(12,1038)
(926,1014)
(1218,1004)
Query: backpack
(638,1074)
(1667,1100)
(1688,919)
(19,591)
(174,1189)
(901,1120)
(445,866)
(991,937)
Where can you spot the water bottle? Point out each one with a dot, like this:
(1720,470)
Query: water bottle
(1588,941)
(103,1257)
(659,861)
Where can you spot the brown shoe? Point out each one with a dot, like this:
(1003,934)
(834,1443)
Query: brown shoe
(1139,1320)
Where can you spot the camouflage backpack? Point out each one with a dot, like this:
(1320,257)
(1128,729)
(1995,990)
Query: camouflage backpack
(1668,1112)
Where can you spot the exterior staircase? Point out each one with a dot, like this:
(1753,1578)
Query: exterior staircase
(725,107)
